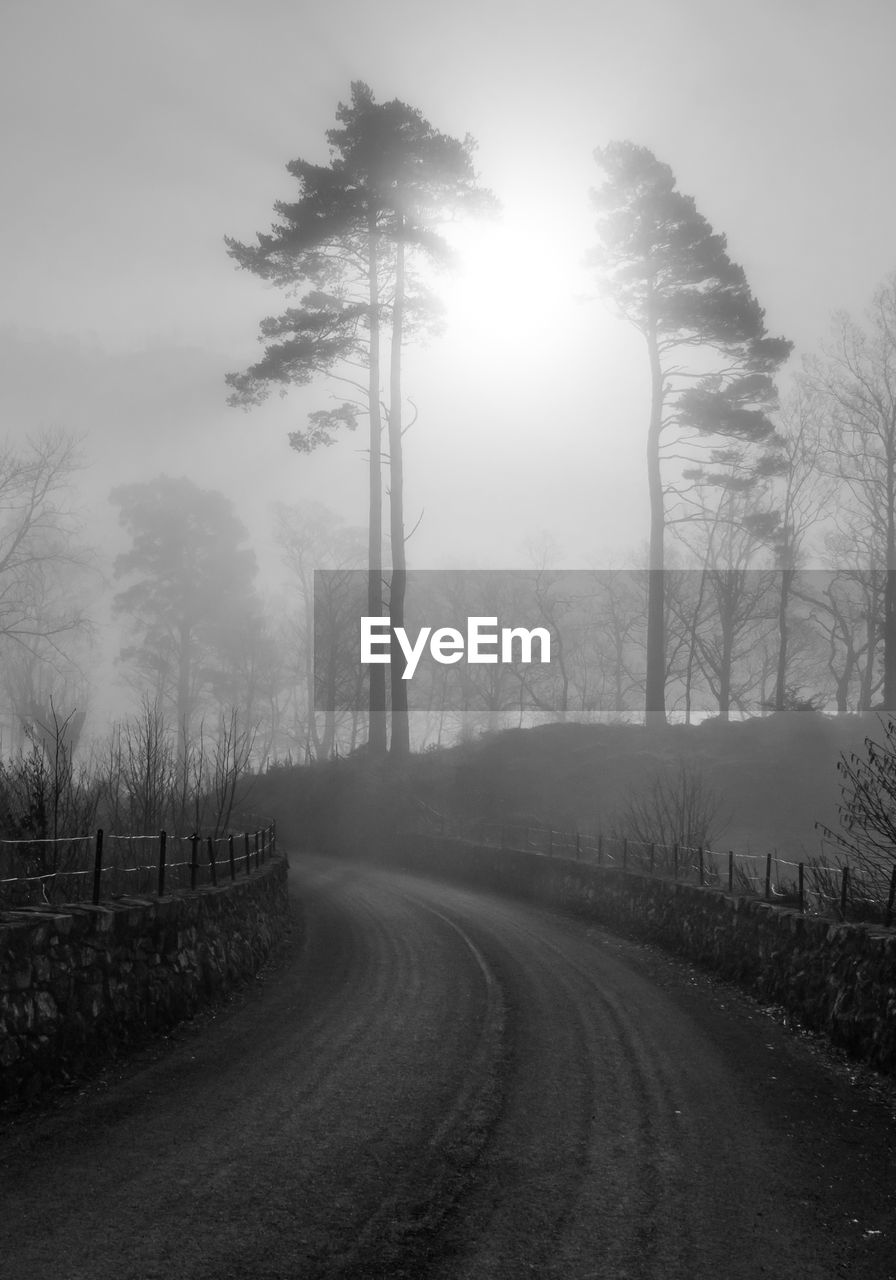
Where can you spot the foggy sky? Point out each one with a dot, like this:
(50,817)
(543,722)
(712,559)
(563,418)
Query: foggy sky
(137,135)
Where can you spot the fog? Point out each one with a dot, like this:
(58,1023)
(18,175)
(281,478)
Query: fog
(137,137)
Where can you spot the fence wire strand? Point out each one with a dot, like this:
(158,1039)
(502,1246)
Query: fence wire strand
(808,885)
(75,869)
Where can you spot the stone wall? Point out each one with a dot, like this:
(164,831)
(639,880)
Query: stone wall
(839,979)
(76,982)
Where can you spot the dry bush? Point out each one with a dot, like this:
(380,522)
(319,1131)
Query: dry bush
(866,839)
(149,781)
(675,806)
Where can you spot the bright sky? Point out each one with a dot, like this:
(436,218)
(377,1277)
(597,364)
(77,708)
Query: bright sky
(137,135)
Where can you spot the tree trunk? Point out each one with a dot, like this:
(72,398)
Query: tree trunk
(376,730)
(725,665)
(184,709)
(328,741)
(787,576)
(889,638)
(400,745)
(692,647)
(889,619)
(655,705)
(872,636)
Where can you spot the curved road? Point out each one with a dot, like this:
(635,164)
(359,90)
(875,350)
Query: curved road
(438,1083)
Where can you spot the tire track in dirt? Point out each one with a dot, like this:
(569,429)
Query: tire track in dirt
(266,1145)
(683,1168)
(441,1084)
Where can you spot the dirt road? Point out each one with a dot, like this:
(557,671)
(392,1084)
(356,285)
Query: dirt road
(441,1084)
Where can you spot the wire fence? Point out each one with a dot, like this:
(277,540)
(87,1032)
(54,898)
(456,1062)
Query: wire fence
(86,869)
(840,890)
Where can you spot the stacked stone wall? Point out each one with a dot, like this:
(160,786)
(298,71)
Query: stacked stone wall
(78,982)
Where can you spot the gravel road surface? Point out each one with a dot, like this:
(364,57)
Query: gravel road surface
(438,1083)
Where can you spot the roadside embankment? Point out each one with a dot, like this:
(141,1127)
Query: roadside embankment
(839,979)
(77,982)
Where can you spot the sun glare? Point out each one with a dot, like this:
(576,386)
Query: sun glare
(516,282)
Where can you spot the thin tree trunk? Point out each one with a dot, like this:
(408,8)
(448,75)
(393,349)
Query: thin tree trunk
(889,619)
(889,623)
(400,745)
(890,641)
(376,731)
(725,665)
(184,709)
(655,705)
(872,636)
(692,648)
(787,576)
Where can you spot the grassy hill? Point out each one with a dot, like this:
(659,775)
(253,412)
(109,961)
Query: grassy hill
(774,777)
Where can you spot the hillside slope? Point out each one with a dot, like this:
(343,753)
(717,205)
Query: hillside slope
(774,777)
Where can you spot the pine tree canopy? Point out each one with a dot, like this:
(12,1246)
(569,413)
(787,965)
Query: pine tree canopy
(664,266)
(392,177)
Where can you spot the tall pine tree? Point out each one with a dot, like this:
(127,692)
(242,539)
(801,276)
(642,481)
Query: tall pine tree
(392,180)
(712,365)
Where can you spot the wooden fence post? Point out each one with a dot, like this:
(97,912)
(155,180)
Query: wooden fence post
(248,854)
(97,866)
(163,844)
(625,853)
(211,861)
(257,862)
(230,856)
(731,871)
(768,876)
(194,858)
(844,885)
(700,863)
(801,882)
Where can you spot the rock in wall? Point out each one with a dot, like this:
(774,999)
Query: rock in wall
(78,981)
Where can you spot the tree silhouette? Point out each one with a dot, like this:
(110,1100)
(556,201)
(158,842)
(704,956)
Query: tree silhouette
(712,365)
(190,585)
(391,180)
(856,381)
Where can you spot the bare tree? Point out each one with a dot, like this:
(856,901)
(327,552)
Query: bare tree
(38,538)
(676,806)
(731,607)
(147,782)
(804,491)
(844,606)
(618,627)
(856,380)
(313,537)
(867,809)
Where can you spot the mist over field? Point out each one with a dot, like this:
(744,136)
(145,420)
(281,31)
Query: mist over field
(551,327)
